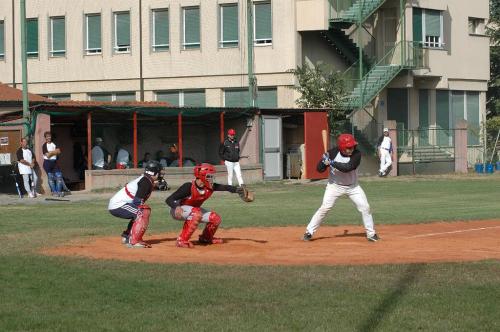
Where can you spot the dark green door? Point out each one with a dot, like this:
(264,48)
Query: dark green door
(397,109)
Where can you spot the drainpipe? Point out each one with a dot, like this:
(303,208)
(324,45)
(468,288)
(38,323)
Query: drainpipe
(251,76)
(402,19)
(13,45)
(360,50)
(24,71)
(141,78)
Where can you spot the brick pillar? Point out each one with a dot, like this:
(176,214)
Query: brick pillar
(393,134)
(461,147)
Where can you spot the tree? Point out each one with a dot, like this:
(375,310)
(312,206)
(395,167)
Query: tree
(493,94)
(322,87)
(493,30)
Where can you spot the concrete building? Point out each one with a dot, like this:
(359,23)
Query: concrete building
(424,63)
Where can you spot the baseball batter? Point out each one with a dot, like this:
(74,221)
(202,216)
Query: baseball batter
(342,162)
(185,205)
(129,203)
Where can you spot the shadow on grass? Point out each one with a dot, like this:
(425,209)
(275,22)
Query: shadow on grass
(392,299)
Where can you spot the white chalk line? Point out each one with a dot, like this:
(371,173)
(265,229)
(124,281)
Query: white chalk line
(452,232)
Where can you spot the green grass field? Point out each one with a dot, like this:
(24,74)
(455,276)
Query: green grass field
(40,293)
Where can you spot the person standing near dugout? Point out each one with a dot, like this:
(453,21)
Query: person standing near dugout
(50,155)
(185,205)
(384,150)
(342,162)
(130,203)
(26,166)
(229,151)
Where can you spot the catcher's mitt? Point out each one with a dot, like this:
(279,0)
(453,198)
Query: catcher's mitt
(245,194)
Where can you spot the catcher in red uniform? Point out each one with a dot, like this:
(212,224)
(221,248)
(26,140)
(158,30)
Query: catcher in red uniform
(186,203)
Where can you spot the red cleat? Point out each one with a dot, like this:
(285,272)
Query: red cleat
(184,244)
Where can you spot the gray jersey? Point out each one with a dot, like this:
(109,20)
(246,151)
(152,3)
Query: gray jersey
(342,178)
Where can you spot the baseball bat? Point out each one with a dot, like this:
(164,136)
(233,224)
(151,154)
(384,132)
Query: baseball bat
(324,135)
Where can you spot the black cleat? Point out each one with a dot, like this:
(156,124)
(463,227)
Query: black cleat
(373,238)
(307,236)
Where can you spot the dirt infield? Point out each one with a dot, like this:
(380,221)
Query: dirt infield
(331,245)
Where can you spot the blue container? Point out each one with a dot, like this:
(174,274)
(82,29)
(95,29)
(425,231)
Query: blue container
(498,166)
(490,168)
(479,168)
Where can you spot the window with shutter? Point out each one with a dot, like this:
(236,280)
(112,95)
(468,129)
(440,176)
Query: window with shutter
(473,121)
(58,36)
(262,23)
(100,97)
(191,27)
(267,97)
(228,25)
(236,97)
(193,98)
(32,37)
(182,98)
(59,96)
(117,96)
(171,97)
(93,32)
(160,30)
(2,40)
(122,32)
(124,96)
(428,27)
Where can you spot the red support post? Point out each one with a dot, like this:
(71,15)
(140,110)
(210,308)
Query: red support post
(89,141)
(135,138)
(179,130)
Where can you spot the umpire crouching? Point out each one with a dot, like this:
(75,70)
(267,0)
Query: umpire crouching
(229,151)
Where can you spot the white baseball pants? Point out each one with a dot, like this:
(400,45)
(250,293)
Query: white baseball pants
(233,166)
(27,178)
(385,160)
(334,191)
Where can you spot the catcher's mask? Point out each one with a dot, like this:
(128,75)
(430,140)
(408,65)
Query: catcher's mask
(206,173)
(346,141)
(153,168)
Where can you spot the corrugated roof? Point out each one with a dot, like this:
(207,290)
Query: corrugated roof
(10,94)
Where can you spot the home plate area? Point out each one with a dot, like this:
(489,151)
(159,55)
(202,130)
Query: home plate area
(331,245)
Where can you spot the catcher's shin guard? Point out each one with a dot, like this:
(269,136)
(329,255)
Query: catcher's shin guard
(207,237)
(140,226)
(190,225)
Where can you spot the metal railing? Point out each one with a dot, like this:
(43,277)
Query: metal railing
(339,8)
(404,55)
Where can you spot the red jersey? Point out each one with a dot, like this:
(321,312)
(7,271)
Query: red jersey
(196,198)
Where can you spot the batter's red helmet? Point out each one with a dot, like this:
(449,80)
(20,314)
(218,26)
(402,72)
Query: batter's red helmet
(346,141)
(206,173)
(231,132)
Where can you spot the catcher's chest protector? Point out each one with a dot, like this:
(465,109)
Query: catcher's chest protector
(196,199)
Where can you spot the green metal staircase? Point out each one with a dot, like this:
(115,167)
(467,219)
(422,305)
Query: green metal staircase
(363,88)
(345,46)
(353,11)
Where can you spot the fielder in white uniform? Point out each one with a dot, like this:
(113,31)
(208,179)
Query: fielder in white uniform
(384,152)
(342,162)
